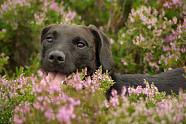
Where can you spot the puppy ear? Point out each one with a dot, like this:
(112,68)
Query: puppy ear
(103,49)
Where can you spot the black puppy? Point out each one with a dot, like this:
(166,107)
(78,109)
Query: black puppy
(66,48)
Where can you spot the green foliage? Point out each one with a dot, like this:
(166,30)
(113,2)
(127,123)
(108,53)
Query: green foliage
(153,39)
(27,70)
(20,39)
(32,97)
(3,62)
(7,105)
(20,33)
(151,42)
(91,11)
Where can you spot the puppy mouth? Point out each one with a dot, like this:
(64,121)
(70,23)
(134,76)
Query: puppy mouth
(55,72)
(53,76)
(56,69)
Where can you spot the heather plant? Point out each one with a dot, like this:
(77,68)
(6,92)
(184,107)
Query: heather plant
(151,41)
(56,102)
(21,22)
(156,109)
(13,92)
(78,98)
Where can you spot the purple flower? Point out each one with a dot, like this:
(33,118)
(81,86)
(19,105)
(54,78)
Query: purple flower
(74,102)
(4,7)
(49,114)
(171,37)
(172,3)
(114,100)
(183,50)
(166,48)
(177,2)
(65,114)
(139,90)
(76,82)
(17,120)
(54,6)
(70,16)
(163,107)
(167,5)
(38,106)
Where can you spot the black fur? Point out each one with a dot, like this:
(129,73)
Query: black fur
(95,53)
(169,82)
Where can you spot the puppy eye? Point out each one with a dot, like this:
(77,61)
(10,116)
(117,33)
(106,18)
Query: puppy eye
(80,44)
(49,39)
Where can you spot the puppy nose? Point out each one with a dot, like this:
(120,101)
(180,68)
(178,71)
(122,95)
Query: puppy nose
(56,56)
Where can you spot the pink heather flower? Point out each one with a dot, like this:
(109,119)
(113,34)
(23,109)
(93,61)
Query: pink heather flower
(164,106)
(70,16)
(37,89)
(19,113)
(74,102)
(13,86)
(54,6)
(171,37)
(49,83)
(139,90)
(12,4)
(178,117)
(76,82)
(167,5)
(183,50)
(43,83)
(166,48)
(114,93)
(114,100)
(42,73)
(40,98)
(26,108)
(88,82)
(177,2)
(17,120)
(130,90)
(45,3)
(149,90)
(49,114)
(54,87)
(93,84)
(38,106)
(65,114)
(57,99)
(173,3)
(4,7)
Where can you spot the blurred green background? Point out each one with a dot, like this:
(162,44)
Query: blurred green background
(147,36)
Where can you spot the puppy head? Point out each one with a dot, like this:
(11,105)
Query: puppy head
(67,48)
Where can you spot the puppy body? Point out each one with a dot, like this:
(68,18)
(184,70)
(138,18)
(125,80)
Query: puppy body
(170,81)
(67,48)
